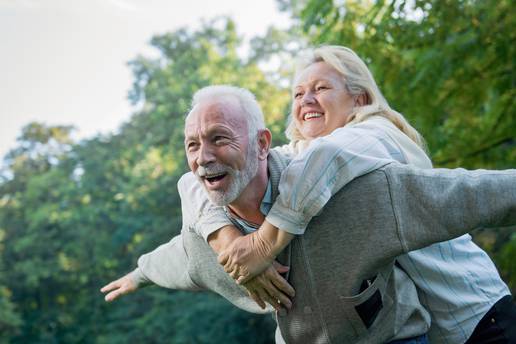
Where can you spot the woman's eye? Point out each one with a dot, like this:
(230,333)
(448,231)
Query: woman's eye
(321,88)
(298,94)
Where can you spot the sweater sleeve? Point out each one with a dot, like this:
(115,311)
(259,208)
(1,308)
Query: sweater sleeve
(441,204)
(328,164)
(166,266)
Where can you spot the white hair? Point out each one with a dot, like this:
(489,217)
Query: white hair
(247,101)
(358,80)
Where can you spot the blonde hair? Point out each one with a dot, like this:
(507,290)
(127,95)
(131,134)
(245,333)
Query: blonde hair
(358,80)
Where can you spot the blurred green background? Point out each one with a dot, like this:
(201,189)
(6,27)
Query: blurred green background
(75,215)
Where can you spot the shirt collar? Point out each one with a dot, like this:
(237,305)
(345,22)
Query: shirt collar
(265,207)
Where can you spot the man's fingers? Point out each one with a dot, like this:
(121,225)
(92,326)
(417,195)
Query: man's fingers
(110,286)
(113,295)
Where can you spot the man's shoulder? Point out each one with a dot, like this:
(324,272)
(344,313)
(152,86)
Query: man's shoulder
(186,179)
(190,187)
(193,196)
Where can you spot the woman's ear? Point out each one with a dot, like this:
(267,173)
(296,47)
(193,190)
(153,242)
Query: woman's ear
(264,143)
(362,99)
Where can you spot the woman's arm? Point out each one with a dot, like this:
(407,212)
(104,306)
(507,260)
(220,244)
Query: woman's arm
(306,185)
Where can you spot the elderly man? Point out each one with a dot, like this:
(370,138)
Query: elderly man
(348,288)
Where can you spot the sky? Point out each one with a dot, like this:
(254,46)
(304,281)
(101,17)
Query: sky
(64,62)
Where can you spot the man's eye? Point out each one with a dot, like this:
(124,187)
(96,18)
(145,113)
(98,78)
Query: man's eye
(321,88)
(220,139)
(191,146)
(298,94)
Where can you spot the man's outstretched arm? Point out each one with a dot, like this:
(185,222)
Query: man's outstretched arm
(433,205)
(166,266)
(122,286)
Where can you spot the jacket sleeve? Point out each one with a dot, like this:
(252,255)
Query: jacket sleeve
(441,204)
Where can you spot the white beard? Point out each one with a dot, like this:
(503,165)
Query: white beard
(239,178)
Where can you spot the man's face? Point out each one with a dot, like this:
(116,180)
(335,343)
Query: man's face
(219,151)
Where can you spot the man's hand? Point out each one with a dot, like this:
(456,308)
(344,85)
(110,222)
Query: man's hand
(271,287)
(246,257)
(121,286)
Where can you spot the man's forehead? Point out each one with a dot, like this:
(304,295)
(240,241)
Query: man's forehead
(216,114)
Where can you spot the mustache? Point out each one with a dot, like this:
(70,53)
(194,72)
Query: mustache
(213,169)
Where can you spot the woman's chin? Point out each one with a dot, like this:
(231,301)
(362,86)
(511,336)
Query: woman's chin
(312,133)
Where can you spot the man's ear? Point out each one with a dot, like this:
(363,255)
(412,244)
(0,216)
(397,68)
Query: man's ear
(264,143)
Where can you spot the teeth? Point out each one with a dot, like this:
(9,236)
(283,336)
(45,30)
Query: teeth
(312,115)
(214,175)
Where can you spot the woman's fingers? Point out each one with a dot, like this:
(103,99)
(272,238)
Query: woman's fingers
(280,283)
(264,295)
(256,299)
(223,258)
(242,278)
(264,287)
(280,268)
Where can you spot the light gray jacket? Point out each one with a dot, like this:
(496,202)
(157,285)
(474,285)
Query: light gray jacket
(383,214)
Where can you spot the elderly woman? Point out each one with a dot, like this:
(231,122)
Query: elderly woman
(341,128)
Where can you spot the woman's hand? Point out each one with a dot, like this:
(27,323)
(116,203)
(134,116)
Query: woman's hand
(251,254)
(272,288)
(246,257)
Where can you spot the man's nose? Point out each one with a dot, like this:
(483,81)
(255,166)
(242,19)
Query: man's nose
(205,156)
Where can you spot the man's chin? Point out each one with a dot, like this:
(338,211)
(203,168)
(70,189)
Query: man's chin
(218,198)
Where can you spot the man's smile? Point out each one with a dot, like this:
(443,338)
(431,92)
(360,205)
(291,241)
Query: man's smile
(215,179)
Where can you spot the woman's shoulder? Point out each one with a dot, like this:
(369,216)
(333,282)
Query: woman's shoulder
(373,122)
(292,149)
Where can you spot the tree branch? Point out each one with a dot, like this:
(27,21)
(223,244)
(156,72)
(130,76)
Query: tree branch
(478,151)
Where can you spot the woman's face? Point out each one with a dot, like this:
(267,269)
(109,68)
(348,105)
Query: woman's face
(321,103)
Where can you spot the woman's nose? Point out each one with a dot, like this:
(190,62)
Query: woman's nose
(308,98)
